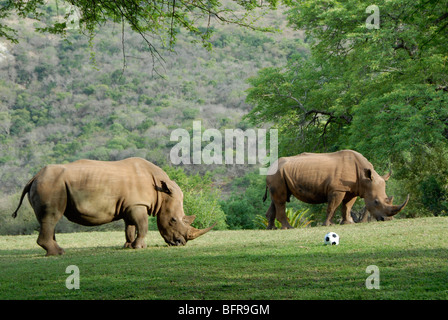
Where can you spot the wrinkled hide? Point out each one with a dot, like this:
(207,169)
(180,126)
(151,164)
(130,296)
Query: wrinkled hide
(333,178)
(92,193)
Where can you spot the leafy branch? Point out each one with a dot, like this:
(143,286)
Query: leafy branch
(150,19)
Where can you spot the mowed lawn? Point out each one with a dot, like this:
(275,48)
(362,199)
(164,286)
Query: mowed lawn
(411,256)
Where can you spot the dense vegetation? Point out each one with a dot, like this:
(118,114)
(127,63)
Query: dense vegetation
(58,105)
(380,88)
(161,19)
(339,85)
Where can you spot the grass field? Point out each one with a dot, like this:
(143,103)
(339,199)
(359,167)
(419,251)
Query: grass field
(411,256)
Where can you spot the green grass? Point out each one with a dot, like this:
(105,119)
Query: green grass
(411,254)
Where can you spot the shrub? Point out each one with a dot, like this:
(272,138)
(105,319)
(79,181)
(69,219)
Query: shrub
(245,201)
(200,198)
(434,196)
(205,205)
(25,223)
(297,219)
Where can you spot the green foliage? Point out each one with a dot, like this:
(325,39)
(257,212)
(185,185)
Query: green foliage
(159,19)
(434,196)
(201,198)
(25,223)
(205,205)
(297,219)
(190,113)
(245,201)
(56,107)
(382,91)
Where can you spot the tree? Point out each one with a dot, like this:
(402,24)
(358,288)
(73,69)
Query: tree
(381,89)
(300,100)
(160,19)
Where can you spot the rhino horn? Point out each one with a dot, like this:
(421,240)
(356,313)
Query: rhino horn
(193,233)
(395,209)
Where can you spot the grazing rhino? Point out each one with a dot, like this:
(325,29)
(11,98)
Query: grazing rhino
(332,178)
(92,193)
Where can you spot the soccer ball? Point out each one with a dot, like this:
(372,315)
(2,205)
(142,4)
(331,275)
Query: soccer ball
(331,238)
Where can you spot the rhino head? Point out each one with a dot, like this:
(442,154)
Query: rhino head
(174,226)
(377,202)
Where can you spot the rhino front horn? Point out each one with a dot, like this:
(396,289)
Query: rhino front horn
(395,209)
(193,233)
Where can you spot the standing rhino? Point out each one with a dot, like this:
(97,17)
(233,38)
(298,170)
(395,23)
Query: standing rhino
(92,193)
(332,178)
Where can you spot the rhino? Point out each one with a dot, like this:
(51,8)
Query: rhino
(92,193)
(333,178)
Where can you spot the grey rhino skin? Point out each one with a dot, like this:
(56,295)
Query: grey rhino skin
(332,178)
(92,193)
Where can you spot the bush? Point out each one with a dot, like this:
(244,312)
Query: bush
(245,201)
(240,213)
(297,219)
(201,198)
(205,205)
(434,196)
(25,223)
(190,113)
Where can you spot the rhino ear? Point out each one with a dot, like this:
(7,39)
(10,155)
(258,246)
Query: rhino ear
(189,219)
(387,176)
(368,174)
(164,188)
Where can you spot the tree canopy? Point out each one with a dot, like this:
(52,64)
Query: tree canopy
(382,91)
(157,22)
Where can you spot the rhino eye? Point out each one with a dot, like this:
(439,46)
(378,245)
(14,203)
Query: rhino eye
(377,201)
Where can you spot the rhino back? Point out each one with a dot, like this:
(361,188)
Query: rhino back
(312,176)
(97,192)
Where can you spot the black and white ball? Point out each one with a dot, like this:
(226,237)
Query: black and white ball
(331,238)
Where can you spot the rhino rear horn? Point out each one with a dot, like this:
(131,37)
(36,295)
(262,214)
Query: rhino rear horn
(395,209)
(193,233)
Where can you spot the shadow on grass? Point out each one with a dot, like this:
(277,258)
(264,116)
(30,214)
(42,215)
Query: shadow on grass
(161,272)
(404,274)
(257,266)
(69,250)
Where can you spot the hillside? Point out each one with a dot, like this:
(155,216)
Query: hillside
(63,100)
(59,105)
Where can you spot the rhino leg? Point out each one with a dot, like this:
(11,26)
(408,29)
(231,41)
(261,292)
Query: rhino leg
(334,200)
(137,217)
(279,196)
(48,210)
(346,209)
(366,216)
(280,214)
(270,215)
(47,238)
(130,235)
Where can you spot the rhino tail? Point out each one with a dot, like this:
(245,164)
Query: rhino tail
(265,194)
(24,192)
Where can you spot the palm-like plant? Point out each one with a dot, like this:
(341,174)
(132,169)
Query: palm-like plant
(297,219)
